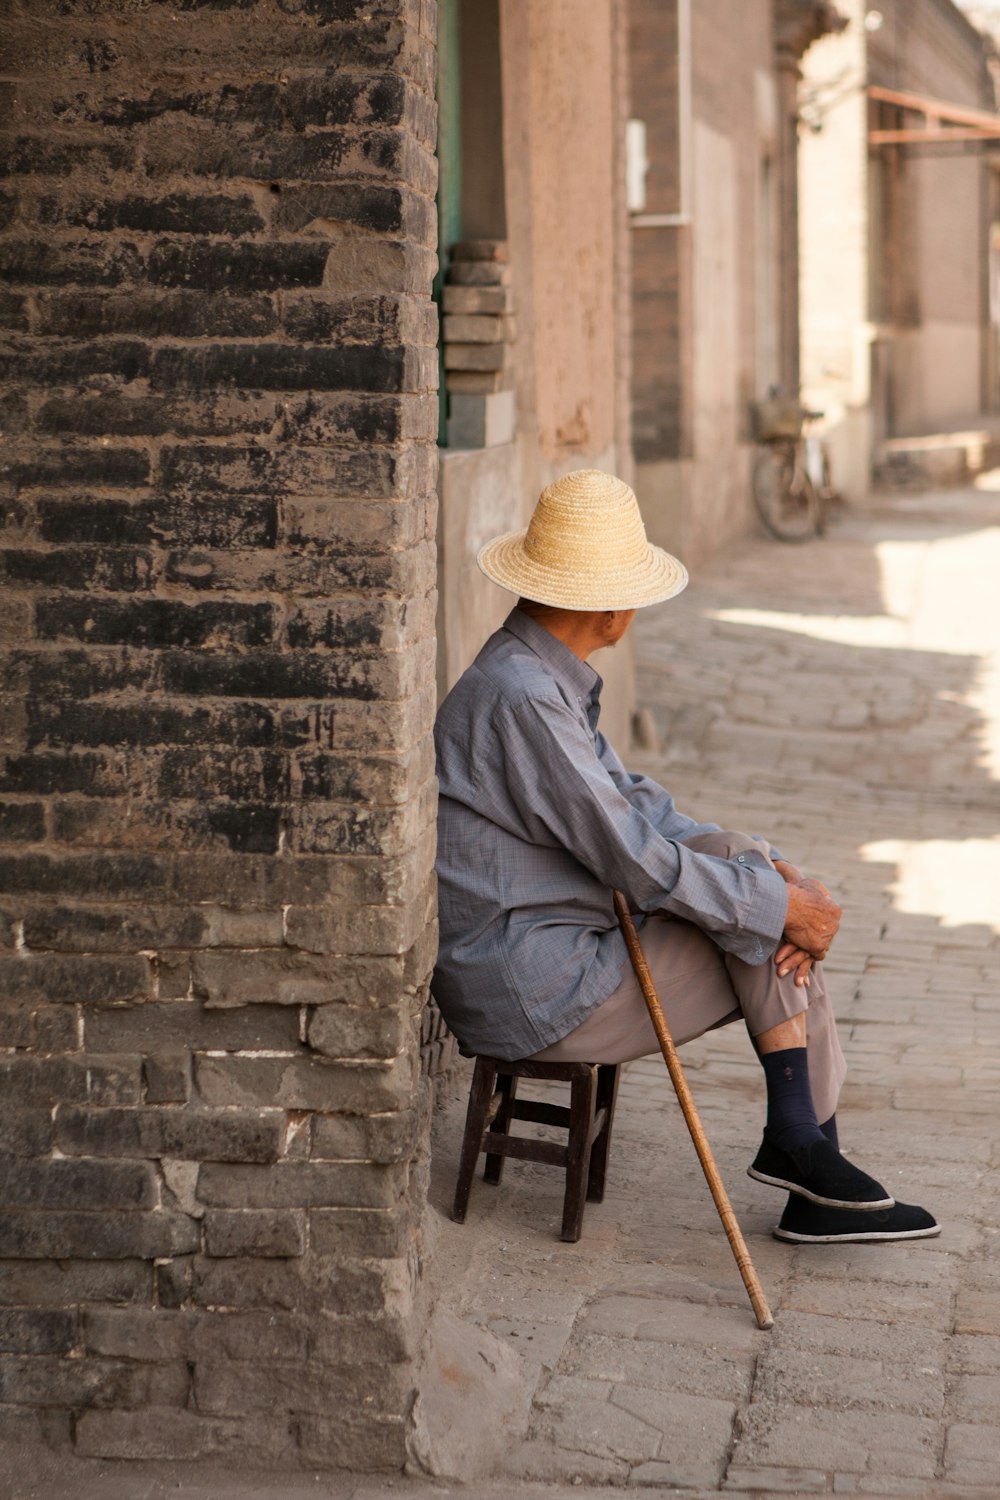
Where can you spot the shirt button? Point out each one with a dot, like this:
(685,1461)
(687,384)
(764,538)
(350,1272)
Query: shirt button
(741,859)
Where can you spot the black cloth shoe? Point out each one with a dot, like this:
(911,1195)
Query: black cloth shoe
(819,1173)
(810,1224)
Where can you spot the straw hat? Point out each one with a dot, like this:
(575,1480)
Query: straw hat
(585,548)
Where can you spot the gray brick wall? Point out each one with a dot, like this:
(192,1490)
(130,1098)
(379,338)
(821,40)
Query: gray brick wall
(216,921)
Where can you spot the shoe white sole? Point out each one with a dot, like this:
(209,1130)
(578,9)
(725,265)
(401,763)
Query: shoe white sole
(857,1235)
(803,1192)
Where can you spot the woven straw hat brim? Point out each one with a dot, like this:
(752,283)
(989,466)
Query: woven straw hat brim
(506,561)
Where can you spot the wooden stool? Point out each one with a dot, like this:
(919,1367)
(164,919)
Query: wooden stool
(493,1105)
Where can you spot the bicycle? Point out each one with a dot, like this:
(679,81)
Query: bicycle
(792,485)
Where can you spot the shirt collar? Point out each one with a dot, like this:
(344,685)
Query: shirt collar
(578,677)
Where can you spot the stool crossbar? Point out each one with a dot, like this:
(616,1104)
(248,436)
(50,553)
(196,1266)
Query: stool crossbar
(494,1106)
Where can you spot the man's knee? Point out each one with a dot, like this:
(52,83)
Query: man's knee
(726,844)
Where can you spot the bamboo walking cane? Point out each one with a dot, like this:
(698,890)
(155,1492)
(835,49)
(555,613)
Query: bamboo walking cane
(689,1110)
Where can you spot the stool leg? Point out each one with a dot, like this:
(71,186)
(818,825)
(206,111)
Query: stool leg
(607,1093)
(480,1095)
(500,1125)
(582,1102)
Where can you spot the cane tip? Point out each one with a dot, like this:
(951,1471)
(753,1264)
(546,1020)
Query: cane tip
(765,1320)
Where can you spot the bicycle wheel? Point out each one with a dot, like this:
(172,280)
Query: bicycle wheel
(783,493)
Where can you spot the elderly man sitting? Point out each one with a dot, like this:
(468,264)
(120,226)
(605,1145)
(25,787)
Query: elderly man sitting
(539,822)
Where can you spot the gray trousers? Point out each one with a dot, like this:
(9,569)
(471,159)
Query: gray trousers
(701,987)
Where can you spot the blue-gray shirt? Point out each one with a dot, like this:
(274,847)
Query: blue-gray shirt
(538,822)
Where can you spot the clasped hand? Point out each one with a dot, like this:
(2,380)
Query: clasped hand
(811,923)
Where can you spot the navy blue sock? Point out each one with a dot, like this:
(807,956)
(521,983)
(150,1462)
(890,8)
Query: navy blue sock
(829,1129)
(791,1117)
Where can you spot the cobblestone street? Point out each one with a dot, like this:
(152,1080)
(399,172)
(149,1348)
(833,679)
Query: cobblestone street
(844,698)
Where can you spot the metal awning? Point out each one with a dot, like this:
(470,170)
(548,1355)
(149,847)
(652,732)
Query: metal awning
(942,121)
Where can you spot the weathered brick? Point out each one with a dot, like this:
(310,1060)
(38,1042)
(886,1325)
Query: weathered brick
(51,364)
(251,881)
(271,1233)
(154,622)
(373,474)
(100,876)
(141,722)
(37,1331)
(321,829)
(363,930)
(245,776)
(29,1283)
(141,927)
(382,210)
(49,155)
(299,1184)
(121,468)
(95,1080)
(41,1028)
(381,1438)
(22,822)
(274,674)
(380,1138)
(217,266)
(175,312)
(348,1339)
(45,261)
(477,299)
(321,418)
(87,1185)
(14,310)
(25,1131)
(262,976)
(98,774)
(167,1078)
(226,1135)
(351,1032)
(169,1027)
(74,672)
(479,273)
(136,1333)
(378,780)
(302,1083)
(372,1232)
(173,213)
(148,1334)
(96,1236)
(234,1387)
(363,320)
(475,357)
(83,978)
(324,526)
(43,1380)
(282,1284)
(477,328)
(285,367)
(173,1281)
(173,1433)
(82,568)
(222,521)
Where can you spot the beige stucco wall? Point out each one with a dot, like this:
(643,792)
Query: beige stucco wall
(927,324)
(727,306)
(833,250)
(563,120)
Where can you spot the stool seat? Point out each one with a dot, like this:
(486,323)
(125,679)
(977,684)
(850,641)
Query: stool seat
(493,1106)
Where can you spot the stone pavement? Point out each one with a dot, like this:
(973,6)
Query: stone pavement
(844,697)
